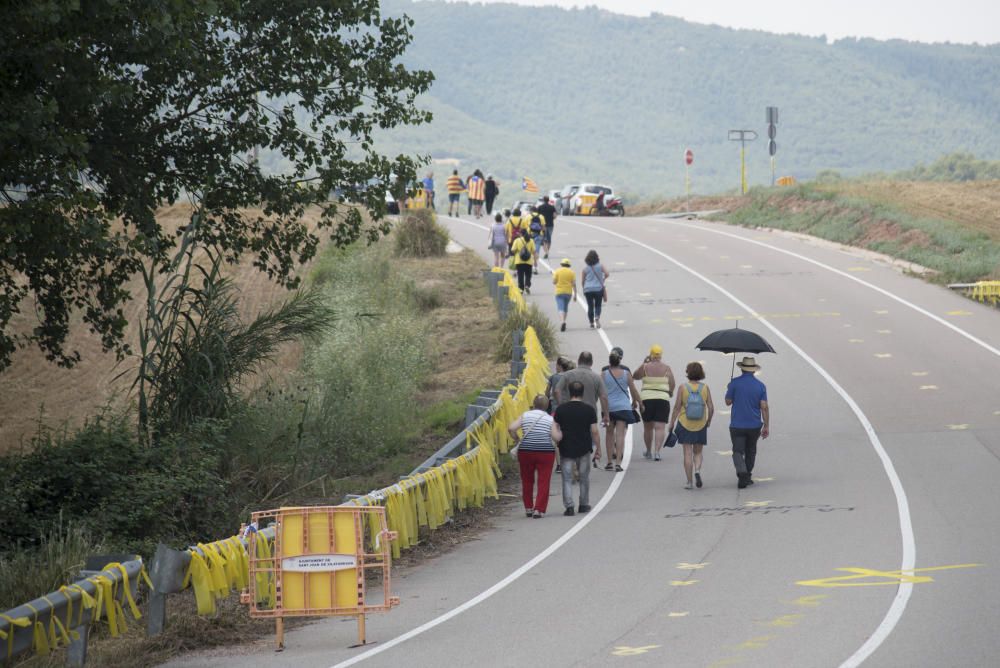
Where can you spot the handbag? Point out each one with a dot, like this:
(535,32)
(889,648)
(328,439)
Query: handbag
(513,451)
(636,417)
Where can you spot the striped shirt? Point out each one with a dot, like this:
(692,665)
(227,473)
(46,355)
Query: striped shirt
(455,184)
(536,427)
(477,188)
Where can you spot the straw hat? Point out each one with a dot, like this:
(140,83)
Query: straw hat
(748,363)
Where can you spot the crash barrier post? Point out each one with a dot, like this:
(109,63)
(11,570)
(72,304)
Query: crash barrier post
(462,474)
(318,563)
(63,618)
(987,292)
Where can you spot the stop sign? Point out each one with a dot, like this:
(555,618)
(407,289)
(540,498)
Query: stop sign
(689,156)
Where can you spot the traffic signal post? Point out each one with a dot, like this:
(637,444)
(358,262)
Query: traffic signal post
(743,136)
(772,131)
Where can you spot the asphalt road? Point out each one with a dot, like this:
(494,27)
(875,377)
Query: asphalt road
(883,460)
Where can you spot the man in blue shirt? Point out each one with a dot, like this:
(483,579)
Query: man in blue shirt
(749,418)
(428,184)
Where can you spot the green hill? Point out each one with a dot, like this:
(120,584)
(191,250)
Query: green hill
(578,95)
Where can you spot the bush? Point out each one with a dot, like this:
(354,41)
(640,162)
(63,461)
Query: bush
(419,235)
(532,317)
(55,561)
(102,478)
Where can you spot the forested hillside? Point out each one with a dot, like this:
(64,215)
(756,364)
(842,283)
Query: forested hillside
(569,95)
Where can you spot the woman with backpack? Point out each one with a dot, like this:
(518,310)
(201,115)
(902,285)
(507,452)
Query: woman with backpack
(657,388)
(536,225)
(693,414)
(498,240)
(523,254)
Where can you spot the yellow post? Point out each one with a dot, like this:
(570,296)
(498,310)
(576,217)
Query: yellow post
(279,632)
(361,629)
(743,169)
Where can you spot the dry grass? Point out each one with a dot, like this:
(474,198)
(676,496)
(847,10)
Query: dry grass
(973,204)
(33,387)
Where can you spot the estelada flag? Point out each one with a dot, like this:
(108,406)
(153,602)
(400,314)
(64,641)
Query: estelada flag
(528,185)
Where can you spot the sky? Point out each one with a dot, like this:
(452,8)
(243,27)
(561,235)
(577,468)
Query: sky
(961,21)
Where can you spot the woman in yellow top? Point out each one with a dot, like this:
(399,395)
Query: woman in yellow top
(523,253)
(694,410)
(564,279)
(657,388)
(514,227)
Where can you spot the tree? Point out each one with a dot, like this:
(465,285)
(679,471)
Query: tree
(112,108)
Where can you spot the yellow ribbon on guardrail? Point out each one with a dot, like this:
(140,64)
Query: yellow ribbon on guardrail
(22,622)
(987,292)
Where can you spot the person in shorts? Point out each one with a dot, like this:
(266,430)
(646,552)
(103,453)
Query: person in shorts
(657,389)
(692,430)
(623,398)
(564,279)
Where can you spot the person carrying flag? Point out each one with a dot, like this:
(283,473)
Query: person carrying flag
(455,189)
(477,193)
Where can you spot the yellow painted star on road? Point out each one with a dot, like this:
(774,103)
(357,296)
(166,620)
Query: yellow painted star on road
(756,504)
(685,566)
(957,427)
(683,583)
(928,387)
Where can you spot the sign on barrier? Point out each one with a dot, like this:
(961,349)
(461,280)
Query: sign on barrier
(318,564)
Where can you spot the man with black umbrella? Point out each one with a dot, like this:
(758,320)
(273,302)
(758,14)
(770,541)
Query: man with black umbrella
(749,419)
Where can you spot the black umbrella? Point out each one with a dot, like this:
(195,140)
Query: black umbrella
(734,341)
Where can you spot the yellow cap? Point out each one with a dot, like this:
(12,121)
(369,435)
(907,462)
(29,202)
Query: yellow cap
(655,350)
(565,262)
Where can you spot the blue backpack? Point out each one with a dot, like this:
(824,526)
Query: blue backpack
(694,408)
(536,224)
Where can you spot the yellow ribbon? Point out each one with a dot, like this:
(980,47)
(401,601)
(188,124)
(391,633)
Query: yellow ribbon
(9,635)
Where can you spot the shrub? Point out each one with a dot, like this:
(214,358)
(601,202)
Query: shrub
(533,317)
(102,478)
(55,561)
(419,235)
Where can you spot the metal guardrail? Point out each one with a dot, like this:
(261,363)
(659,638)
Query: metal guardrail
(65,617)
(987,292)
(107,586)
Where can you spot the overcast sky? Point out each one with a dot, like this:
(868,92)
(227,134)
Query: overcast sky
(964,21)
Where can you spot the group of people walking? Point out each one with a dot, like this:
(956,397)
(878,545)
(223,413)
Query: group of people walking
(561,431)
(482,192)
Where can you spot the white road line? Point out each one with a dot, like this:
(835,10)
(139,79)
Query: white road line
(616,482)
(882,291)
(908,560)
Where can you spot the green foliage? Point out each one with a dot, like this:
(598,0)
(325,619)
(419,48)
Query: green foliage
(532,316)
(957,254)
(102,478)
(55,561)
(446,417)
(953,167)
(353,404)
(554,111)
(113,108)
(418,234)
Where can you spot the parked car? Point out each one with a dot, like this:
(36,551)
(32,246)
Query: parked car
(523,205)
(583,200)
(565,199)
(553,196)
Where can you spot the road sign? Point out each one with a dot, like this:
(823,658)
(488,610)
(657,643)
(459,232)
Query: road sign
(772,147)
(772,131)
(772,115)
(689,156)
(742,136)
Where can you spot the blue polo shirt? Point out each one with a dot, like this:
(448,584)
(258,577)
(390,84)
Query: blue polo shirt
(746,393)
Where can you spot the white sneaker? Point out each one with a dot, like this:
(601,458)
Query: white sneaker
(688,486)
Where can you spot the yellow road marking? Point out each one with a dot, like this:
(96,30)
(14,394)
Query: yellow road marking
(724,453)
(677,310)
(620,264)
(959,313)
(996,412)
(678,614)
(683,583)
(687,567)
(785,621)
(855,340)
(881,311)
(882,356)
(928,387)
(919,373)
(756,504)
(617,322)
(707,317)
(633,651)
(656,320)
(891,577)
(763,479)
(756,643)
(884,331)
(810,601)
(958,427)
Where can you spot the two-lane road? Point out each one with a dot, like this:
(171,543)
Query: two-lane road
(871,535)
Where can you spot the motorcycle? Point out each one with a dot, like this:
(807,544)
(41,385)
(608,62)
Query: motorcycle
(611,207)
